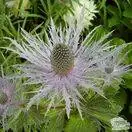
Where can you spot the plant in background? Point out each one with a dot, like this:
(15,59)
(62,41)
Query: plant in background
(18,7)
(89,11)
(119,124)
(116,14)
(53,8)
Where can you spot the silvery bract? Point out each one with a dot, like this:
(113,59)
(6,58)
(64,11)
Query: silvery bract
(64,66)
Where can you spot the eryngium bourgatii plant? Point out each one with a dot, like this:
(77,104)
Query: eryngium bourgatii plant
(64,66)
(6,94)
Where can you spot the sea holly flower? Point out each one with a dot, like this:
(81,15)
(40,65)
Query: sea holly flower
(6,94)
(90,10)
(113,67)
(63,66)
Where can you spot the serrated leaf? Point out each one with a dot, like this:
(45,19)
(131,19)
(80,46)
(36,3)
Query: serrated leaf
(127,81)
(110,91)
(119,98)
(26,120)
(105,109)
(76,124)
(55,122)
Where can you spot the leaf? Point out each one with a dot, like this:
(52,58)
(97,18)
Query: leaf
(119,8)
(26,120)
(104,109)
(102,4)
(76,124)
(111,91)
(127,22)
(128,81)
(130,107)
(113,21)
(113,10)
(117,41)
(128,13)
(2,7)
(55,122)
(119,98)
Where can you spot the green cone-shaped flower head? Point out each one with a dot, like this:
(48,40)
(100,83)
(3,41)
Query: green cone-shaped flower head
(62,59)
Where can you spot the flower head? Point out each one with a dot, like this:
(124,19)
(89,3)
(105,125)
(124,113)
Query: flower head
(6,94)
(64,66)
(89,11)
(112,67)
(62,59)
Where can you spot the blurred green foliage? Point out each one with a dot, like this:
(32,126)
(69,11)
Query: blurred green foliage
(117,15)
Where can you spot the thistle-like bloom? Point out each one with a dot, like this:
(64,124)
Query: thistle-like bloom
(112,67)
(64,66)
(90,10)
(6,94)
